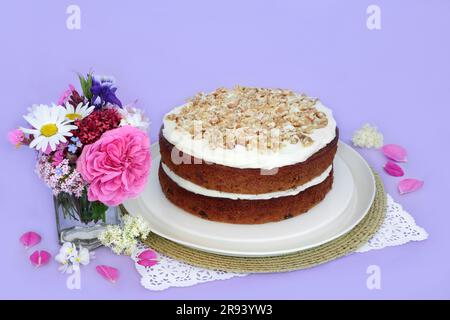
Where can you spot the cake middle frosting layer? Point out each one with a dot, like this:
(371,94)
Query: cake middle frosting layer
(192,187)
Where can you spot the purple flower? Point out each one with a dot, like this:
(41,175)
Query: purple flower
(104,88)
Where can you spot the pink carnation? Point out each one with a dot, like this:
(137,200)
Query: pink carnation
(116,165)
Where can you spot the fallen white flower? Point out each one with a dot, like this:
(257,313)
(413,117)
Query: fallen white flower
(368,137)
(70,258)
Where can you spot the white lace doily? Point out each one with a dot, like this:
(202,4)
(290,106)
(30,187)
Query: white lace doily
(398,228)
(173,273)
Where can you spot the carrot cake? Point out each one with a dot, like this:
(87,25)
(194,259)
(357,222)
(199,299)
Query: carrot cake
(248,155)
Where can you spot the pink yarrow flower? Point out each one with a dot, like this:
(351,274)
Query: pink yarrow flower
(116,166)
(66,95)
(60,178)
(58,157)
(16,137)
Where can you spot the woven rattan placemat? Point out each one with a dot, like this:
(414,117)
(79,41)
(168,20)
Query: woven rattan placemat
(337,248)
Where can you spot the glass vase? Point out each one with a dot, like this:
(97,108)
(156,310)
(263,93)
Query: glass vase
(80,221)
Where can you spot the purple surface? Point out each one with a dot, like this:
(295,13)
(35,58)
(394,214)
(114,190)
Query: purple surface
(163,52)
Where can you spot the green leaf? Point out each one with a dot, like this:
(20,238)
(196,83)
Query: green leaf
(86,85)
(82,82)
(88,93)
(99,211)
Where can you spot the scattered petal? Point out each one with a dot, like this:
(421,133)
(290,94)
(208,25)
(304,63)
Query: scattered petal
(147,258)
(29,239)
(394,152)
(147,263)
(409,185)
(148,255)
(393,169)
(109,273)
(40,258)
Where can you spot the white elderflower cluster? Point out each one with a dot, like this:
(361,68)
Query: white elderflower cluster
(123,240)
(368,137)
(135,227)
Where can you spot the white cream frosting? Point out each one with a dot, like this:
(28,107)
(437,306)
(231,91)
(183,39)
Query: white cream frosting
(195,188)
(240,157)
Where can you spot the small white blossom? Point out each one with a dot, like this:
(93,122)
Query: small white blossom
(83,257)
(368,137)
(134,117)
(70,258)
(67,251)
(63,259)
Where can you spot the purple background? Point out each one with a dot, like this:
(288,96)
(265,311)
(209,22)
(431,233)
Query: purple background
(162,52)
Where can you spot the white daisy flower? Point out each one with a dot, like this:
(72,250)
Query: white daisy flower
(50,126)
(79,112)
(134,117)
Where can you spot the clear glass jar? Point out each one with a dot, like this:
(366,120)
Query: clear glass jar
(80,221)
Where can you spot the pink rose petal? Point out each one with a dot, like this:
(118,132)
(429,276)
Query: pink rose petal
(40,258)
(409,185)
(109,273)
(147,263)
(30,238)
(393,169)
(394,152)
(148,255)
(147,258)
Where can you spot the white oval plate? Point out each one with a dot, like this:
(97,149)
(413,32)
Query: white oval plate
(344,206)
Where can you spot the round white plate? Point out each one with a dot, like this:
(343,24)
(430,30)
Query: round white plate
(344,206)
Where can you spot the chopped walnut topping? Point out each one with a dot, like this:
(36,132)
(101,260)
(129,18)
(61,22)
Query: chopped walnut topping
(240,115)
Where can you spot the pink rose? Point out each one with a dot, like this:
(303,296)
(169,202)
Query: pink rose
(116,166)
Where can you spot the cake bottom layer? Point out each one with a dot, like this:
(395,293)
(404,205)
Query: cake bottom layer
(244,211)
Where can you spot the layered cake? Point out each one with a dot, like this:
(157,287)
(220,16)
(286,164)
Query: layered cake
(248,155)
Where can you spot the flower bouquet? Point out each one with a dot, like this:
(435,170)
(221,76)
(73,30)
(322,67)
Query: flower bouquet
(92,152)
